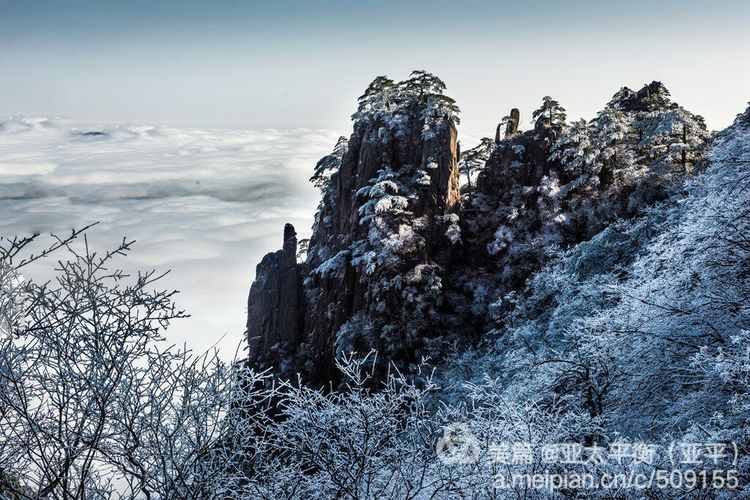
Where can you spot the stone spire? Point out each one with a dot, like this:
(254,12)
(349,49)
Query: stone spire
(511,126)
(273,305)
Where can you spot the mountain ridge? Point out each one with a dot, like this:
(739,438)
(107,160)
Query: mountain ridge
(404,262)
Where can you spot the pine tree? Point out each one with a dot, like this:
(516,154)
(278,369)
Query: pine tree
(621,98)
(475,158)
(656,96)
(502,128)
(442,106)
(611,130)
(550,114)
(377,96)
(577,150)
(422,90)
(329,164)
(423,84)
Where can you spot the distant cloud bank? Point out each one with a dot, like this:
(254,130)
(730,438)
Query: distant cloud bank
(205,203)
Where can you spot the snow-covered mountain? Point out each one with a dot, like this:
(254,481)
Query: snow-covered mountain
(404,262)
(571,322)
(588,284)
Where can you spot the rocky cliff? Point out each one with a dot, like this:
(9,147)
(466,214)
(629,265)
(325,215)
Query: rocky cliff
(404,262)
(372,276)
(275,304)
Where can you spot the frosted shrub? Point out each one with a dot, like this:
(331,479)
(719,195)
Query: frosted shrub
(93,404)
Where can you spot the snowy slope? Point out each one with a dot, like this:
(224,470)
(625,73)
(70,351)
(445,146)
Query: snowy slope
(645,326)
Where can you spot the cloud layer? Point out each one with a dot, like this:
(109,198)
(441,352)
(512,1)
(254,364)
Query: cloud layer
(205,203)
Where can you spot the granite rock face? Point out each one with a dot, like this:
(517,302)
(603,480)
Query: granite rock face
(274,305)
(512,126)
(508,127)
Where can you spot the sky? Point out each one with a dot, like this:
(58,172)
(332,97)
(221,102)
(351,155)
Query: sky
(213,114)
(288,64)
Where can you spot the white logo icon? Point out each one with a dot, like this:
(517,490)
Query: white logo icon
(457,445)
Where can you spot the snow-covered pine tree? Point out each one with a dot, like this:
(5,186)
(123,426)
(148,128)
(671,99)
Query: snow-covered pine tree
(329,164)
(377,97)
(620,97)
(421,91)
(549,114)
(657,96)
(612,129)
(422,84)
(577,150)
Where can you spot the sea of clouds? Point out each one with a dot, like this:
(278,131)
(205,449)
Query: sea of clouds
(205,204)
